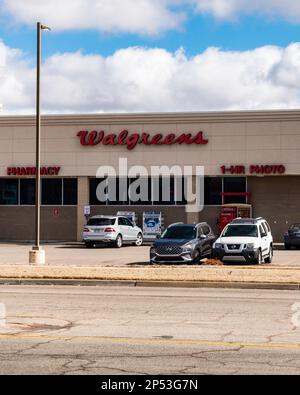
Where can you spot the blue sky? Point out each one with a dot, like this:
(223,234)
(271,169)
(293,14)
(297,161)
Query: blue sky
(136,42)
(198,33)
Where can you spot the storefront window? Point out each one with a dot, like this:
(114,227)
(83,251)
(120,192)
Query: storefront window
(219,190)
(135,191)
(94,182)
(9,192)
(70,189)
(235,186)
(119,191)
(52,192)
(27,192)
(158,191)
(213,191)
(171,191)
(163,192)
(55,191)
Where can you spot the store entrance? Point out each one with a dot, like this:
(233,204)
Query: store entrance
(231,211)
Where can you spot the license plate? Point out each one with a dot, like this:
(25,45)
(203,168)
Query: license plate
(98,230)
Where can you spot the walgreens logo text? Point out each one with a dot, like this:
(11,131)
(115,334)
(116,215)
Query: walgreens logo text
(131,140)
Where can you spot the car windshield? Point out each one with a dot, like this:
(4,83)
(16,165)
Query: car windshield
(180,232)
(101,221)
(240,231)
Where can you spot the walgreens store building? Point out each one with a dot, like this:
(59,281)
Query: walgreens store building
(249,157)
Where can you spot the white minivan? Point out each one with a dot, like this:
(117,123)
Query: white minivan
(111,230)
(245,240)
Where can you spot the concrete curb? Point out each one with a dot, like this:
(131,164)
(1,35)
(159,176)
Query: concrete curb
(150,284)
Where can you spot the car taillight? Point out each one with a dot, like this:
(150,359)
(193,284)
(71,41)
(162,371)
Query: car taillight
(86,230)
(109,230)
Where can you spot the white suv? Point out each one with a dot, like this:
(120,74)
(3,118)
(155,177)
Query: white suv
(111,230)
(245,240)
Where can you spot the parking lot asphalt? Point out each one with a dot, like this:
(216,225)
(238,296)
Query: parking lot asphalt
(75,254)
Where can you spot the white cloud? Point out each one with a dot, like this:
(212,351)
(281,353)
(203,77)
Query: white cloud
(229,9)
(144,17)
(16,81)
(148,17)
(139,79)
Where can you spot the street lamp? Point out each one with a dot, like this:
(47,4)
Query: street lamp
(37,254)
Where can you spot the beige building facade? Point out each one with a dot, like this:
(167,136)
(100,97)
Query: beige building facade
(251,157)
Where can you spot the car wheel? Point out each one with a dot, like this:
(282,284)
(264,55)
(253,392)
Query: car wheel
(259,259)
(139,240)
(287,246)
(119,241)
(197,257)
(88,244)
(269,259)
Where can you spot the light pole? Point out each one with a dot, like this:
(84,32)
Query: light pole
(37,254)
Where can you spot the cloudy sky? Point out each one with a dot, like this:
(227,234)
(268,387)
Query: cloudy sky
(151,55)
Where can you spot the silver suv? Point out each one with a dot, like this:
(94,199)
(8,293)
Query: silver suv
(183,243)
(111,230)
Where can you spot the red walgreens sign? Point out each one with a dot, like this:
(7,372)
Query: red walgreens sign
(131,140)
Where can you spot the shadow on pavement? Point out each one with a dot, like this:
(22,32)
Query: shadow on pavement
(138,264)
(83,247)
(201,264)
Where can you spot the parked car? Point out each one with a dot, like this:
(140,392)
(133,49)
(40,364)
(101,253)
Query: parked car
(181,243)
(111,230)
(292,237)
(245,240)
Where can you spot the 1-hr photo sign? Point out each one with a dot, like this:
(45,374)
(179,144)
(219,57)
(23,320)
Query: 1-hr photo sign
(253,169)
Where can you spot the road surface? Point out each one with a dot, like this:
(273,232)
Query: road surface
(128,330)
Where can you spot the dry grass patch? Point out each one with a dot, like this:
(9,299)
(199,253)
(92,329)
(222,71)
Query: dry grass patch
(213,262)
